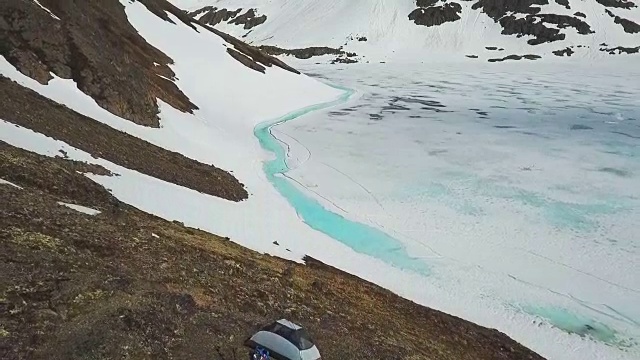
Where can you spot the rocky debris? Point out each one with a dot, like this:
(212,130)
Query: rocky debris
(344,60)
(496,9)
(564,3)
(246,61)
(623,4)
(249,19)
(530,26)
(472,56)
(426,3)
(213,16)
(534,25)
(628,25)
(579,14)
(620,50)
(493,48)
(522,18)
(516,57)
(563,52)
(436,15)
(29,109)
(103,287)
(362,38)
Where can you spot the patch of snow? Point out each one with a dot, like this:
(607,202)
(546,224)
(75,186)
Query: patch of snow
(5,182)
(155,235)
(80,208)
(47,10)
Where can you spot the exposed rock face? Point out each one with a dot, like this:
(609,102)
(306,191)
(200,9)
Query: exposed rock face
(628,25)
(249,19)
(529,20)
(496,9)
(246,61)
(211,15)
(306,53)
(516,57)
(93,44)
(426,3)
(564,3)
(620,50)
(617,3)
(564,52)
(436,15)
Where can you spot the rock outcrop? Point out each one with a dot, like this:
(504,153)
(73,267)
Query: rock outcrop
(211,15)
(435,15)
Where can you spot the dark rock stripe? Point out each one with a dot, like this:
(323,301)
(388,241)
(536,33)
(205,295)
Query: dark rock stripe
(563,52)
(628,25)
(617,3)
(516,57)
(29,109)
(621,50)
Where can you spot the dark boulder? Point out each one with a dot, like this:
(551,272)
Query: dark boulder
(516,57)
(436,15)
(617,3)
(628,25)
(563,52)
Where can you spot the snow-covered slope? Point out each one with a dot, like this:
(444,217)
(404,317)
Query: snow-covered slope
(231,99)
(424,30)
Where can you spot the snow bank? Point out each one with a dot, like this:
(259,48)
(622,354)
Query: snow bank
(5,182)
(80,208)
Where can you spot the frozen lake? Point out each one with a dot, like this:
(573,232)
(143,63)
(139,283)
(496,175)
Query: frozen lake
(513,189)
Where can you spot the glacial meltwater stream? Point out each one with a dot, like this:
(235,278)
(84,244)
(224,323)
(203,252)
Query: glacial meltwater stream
(360,237)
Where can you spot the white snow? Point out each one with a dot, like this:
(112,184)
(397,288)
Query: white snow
(45,9)
(80,208)
(393,37)
(155,235)
(5,182)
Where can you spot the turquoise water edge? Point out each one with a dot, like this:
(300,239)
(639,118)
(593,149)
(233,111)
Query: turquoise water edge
(360,237)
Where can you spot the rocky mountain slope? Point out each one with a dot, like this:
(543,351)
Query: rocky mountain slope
(423,30)
(117,120)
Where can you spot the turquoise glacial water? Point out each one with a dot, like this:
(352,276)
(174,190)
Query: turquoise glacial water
(580,325)
(360,237)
